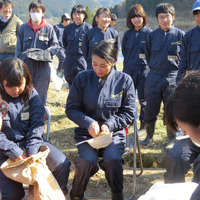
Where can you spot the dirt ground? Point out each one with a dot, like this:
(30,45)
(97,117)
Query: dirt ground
(153,156)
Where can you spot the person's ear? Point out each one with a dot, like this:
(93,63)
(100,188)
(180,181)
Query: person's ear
(173,17)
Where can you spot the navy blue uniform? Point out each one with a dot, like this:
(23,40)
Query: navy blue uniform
(93,37)
(162,54)
(135,64)
(22,128)
(184,153)
(44,38)
(190,52)
(112,103)
(72,41)
(59,29)
(179,161)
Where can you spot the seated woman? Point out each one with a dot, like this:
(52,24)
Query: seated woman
(23,126)
(183,110)
(101,99)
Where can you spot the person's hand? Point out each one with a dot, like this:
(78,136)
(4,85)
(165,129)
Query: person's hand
(94,129)
(21,157)
(105,128)
(1,121)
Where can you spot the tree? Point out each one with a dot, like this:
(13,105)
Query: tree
(89,15)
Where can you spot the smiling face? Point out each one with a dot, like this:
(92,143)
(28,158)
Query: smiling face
(165,20)
(137,22)
(14,91)
(6,11)
(103,20)
(78,17)
(101,67)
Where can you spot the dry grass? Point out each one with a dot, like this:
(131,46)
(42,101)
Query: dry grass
(62,133)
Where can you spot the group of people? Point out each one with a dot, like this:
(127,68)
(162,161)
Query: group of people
(101,99)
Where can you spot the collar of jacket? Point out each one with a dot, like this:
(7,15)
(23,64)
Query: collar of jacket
(43,23)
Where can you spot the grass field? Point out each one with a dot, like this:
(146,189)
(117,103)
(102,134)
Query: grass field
(153,156)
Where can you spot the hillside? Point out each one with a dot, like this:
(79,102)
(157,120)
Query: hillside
(57,8)
(54,9)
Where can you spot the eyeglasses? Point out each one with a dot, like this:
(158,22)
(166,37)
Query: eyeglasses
(167,17)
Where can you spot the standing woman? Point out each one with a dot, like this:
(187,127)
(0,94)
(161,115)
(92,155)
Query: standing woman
(101,99)
(23,126)
(72,42)
(133,50)
(100,31)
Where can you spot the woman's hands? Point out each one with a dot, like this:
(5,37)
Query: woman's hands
(94,129)
(21,157)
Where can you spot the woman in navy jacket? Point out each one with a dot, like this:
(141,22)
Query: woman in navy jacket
(23,127)
(133,50)
(101,99)
(100,31)
(72,42)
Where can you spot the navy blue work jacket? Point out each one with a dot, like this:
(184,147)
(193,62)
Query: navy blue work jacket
(93,37)
(73,36)
(190,52)
(163,49)
(59,29)
(45,39)
(22,127)
(111,103)
(133,49)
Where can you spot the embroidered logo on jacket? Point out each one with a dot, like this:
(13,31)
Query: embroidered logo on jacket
(117,95)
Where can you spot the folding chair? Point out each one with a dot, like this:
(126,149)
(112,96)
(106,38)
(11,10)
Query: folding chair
(135,144)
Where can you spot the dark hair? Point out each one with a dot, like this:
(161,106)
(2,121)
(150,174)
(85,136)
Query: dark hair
(107,50)
(196,12)
(36,4)
(6,2)
(165,8)
(183,103)
(13,70)
(113,17)
(63,17)
(136,11)
(98,12)
(79,9)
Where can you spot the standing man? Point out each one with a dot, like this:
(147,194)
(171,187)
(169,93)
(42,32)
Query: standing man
(9,25)
(36,44)
(162,53)
(59,29)
(190,50)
